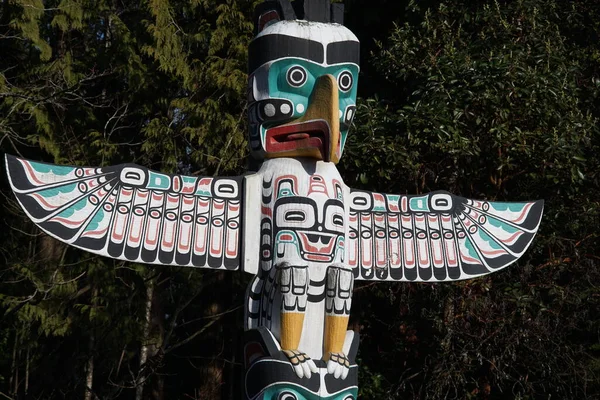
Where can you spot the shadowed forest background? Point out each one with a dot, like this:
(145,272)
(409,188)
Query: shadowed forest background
(493,100)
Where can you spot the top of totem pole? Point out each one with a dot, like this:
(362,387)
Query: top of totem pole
(303,66)
(272,11)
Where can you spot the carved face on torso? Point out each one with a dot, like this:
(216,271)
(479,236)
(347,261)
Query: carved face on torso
(310,227)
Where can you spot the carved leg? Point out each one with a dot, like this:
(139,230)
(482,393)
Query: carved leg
(293,285)
(338,300)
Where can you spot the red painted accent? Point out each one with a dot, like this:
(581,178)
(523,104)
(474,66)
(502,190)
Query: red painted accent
(94,233)
(466,258)
(200,239)
(324,245)
(204,184)
(524,213)
(285,137)
(43,201)
(451,253)
(168,244)
(185,230)
(232,240)
(152,227)
(409,257)
(203,203)
(423,253)
(353,259)
(380,252)
(173,199)
(118,236)
(315,257)
(317,185)
(293,178)
(68,221)
(513,237)
(135,235)
(31,172)
(189,187)
(393,206)
(367,257)
(404,204)
(216,242)
(266,18)
(493,252)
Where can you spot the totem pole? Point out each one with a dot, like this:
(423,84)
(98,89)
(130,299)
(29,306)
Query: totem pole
(294,225)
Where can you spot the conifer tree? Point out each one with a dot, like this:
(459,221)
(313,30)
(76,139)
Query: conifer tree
(492,100)
(489,99)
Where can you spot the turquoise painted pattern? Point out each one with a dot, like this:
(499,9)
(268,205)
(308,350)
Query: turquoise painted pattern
(51,169)
(279,87)
(288,391)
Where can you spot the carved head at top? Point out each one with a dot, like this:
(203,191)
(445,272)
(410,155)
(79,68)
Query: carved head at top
(303,66)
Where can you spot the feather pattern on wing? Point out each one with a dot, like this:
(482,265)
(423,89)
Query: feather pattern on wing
(131,213)
(435,237)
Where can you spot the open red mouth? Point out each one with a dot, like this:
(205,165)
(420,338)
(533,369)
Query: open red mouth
(318,246)
(303,135)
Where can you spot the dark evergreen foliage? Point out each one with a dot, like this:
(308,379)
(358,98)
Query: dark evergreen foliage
(488,99)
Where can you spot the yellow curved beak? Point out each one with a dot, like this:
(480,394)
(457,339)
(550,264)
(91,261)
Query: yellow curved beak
(317,133)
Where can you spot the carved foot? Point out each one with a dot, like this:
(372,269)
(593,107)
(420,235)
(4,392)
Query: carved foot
(337,365)
(303,365)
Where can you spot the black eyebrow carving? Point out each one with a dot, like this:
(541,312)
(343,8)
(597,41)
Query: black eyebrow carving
(273,47)
(343,52)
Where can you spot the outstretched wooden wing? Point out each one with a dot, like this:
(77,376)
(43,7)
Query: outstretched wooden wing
(130,213)
(435,237)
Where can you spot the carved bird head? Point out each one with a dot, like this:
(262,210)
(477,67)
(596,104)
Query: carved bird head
(303,67)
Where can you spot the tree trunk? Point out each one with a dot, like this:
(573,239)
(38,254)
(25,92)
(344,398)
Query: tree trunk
(139,389)
(89,378)
(157,331)
(16,394)
(14,369)
(27,372)
(212,372)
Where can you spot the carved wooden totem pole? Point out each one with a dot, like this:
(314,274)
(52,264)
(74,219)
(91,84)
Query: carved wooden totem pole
(294,225)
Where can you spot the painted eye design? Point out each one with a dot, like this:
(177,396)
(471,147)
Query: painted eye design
(345,81)
(287,396)
(338,220)
(441,202)
(296,76)
(295,216)
(349,397)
